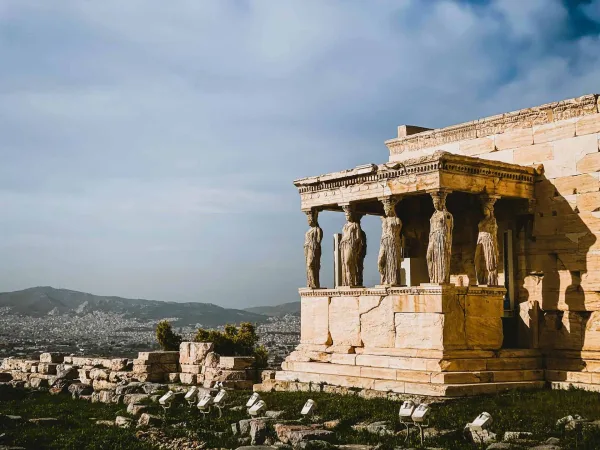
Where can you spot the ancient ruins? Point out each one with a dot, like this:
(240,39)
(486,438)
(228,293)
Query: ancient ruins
(488,258)
(108,379)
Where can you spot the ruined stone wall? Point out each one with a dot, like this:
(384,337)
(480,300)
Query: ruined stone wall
(558,252)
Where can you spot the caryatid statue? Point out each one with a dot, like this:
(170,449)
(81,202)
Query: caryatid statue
(391,243)
(486,252)
(312,249)
(439,248)
(352,246)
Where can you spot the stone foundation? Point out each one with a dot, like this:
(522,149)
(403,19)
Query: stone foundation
(431,340)
(416,372)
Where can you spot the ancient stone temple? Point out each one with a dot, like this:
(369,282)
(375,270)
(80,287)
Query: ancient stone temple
(489,260)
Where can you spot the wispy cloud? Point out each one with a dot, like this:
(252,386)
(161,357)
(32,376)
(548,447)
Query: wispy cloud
(148,148)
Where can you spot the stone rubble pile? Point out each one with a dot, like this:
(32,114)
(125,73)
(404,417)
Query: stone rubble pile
(195,364)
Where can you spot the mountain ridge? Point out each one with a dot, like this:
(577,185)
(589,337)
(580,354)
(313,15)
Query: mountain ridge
(277,310)
(44,300)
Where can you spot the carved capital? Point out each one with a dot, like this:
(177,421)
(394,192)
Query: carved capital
(312,215)
(488,201)
(439,196)
(389,204)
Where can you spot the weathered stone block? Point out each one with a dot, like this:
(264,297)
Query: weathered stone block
(377,327)
(118,364)
(100,385)
(506,156)
(194,352)
(341,358)
(534,154)
(236,362)
(553,131)
(589,163)
(484,332)
(519,137)
(99,374)
(314,325)
(172,377)
(577,184)
(484,306)
(191,368)
(344,321)
(52,357)
(187,378)
(473,147)
(47,368)
(591,338)
(164,357)
(419,330)
(588,124)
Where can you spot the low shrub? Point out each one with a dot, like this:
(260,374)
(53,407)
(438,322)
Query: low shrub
(236,341)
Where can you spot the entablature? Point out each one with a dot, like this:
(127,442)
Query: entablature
(439,171)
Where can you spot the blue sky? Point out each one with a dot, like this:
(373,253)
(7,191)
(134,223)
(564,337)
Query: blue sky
(148,148)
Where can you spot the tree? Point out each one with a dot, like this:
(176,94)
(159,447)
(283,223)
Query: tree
(167,339)
(235,341)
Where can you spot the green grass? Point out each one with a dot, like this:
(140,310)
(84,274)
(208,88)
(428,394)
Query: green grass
(76,430)
(535,411)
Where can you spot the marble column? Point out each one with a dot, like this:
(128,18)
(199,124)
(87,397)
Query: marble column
(312,249)
(439,248)
(391,243)
(486,253)
(352,248)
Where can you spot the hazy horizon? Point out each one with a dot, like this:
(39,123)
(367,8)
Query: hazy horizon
(148,151)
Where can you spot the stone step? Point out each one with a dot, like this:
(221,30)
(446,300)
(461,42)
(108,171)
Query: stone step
(352,366)
(387,378)
(567,385)
(316,382)
(408,363)
(583,364)
(571,376)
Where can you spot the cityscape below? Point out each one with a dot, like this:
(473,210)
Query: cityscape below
(112,331)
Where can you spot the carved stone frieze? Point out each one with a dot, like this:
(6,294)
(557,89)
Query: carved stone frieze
(524,118)
(434,289)
(417,174)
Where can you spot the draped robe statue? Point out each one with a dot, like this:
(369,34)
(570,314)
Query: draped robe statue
(352,246)
(391,244)
(439,248)
(312,250)
(486,252)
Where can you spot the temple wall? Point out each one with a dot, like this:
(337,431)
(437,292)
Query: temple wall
(458,339)
(558,253)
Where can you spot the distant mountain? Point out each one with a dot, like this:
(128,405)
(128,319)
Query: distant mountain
(42,301)
(277,311)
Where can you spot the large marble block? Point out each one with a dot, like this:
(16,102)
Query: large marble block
(344,321)
(377,327)
(420,330)
(314,316)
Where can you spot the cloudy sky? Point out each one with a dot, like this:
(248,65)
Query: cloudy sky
(148,148)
